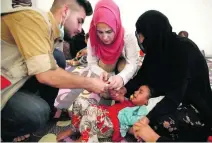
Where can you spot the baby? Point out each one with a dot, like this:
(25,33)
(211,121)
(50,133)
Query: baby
(93,120)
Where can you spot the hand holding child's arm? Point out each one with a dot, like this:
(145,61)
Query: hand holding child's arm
(144,132)
(118,95)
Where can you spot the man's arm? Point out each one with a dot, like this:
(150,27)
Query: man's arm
(34,43)
(60,78)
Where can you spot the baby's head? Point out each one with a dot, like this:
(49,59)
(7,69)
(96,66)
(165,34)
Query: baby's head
(141,96)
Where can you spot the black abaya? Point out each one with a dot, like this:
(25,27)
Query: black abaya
(174,67)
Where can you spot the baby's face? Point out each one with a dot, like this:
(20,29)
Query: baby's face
(141,96)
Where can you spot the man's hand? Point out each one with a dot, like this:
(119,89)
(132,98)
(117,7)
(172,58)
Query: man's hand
(97,86)
(118,95)
(144,132)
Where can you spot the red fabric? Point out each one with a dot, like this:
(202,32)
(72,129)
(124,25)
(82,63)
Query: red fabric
(101,121)
(106,11)
(141,53)
(4,82)
(210,139)
(85,135)
(113,115)
(75,119)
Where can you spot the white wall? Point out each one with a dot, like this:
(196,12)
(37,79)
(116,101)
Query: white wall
(194,16)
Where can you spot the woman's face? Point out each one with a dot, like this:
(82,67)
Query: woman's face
(105,33)
(140,37)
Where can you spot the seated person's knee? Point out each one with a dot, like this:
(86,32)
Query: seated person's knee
(26,108)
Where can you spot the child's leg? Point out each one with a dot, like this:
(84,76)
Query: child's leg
(80,107)
(95,124)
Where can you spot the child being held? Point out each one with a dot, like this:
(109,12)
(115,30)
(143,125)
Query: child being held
(95,121)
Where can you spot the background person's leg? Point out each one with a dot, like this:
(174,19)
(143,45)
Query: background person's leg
(60,58)
(23,114)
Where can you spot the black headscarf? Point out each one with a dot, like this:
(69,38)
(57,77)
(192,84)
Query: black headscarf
(173,66)
(155,27)
(161,62)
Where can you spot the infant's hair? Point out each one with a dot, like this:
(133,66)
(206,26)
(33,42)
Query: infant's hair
(151,91)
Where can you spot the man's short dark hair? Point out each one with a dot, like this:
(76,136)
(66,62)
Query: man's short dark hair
(87,6)
(151,91)
(86,36)
(185,33)
(73,5)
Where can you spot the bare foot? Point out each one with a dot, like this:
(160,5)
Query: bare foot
(21,138)
(64,134)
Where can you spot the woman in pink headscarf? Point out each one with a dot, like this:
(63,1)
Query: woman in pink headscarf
(111,50)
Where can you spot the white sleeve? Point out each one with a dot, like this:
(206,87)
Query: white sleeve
(93,61)
(131,56)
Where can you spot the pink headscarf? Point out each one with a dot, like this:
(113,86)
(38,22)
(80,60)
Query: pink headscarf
(106,11)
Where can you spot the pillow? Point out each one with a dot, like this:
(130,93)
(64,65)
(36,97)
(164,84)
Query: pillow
(153,102)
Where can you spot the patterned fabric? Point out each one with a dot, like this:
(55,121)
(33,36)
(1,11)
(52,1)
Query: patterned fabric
(83,60)
(91,120)
(16,3)
(80,108)
(177,126)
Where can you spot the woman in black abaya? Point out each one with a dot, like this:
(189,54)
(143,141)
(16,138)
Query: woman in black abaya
(174,67)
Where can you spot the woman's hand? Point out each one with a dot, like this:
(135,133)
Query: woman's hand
(144,132)
(104,76)
(116,82)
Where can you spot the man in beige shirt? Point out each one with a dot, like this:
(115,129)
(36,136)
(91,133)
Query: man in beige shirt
(23,113)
